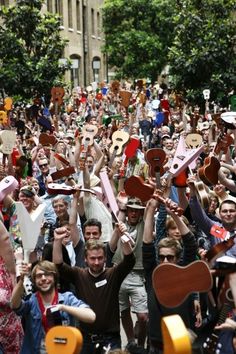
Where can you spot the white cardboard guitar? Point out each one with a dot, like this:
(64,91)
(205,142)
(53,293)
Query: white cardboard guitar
(30,225)
(8,139)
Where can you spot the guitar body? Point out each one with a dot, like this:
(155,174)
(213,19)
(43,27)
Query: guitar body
(119,139)
(193,140)
(173,284)
(65,172)
(125,98)
(47,139)
(8,139)
(135,187)
(208,173)
(180,181)
(7,185)
(202,194)
(156,159)
(57,95)
(64,340)
(219,249)
(131,148)
(175,335)
(88,132)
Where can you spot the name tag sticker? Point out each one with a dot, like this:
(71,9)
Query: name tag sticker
(100,283)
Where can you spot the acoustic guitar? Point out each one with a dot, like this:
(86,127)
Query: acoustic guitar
(47,139)
(63,340)
(208,173)
(173,284)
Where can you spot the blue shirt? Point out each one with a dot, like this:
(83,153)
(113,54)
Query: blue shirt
(34,331)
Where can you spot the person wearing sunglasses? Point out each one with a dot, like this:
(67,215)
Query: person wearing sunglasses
(167,250)
(44,169)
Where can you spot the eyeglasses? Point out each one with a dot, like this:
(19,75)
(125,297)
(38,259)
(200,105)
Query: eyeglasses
(169,257)
(43,165)
(45,274)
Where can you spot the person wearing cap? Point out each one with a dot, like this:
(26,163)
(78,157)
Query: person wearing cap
(133,293)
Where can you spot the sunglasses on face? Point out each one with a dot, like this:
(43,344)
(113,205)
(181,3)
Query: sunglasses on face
(169,257)
(43,165)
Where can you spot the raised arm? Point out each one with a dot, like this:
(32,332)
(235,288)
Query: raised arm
(6,251)
(148,233)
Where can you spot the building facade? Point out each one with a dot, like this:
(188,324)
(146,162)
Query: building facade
(81,24)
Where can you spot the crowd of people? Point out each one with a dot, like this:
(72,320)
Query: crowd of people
(98,245)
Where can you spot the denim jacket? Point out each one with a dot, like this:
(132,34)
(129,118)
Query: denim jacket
(31,314)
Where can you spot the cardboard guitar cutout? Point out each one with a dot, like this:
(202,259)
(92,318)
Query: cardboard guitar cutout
(195,277)
(110,200)
(8,139)
(175,335)
(30,225)
(63,340)
(183,157)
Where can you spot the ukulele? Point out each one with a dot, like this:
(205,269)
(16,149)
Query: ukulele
(156,159)
(193,140)
(3,118)
(8,139)
(212,343)
(47,139)
(125,99)
(173,284)
(175,335)
(129,152)
(208,173)
(63,339)
(119,139)
(135,187)
(57,188)
(65,172)
(57,97)
(220,248)
(7,185)
(88,133)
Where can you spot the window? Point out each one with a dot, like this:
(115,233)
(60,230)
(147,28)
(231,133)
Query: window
(98,25)
(78,22)
(70,20)
(49,6)
(59,8)
(92,23)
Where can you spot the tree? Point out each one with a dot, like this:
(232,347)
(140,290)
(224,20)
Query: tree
(203,53)
(137,35)
(30,49)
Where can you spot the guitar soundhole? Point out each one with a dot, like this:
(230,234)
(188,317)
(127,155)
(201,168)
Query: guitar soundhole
(176,166)
(60,340)
(7,180)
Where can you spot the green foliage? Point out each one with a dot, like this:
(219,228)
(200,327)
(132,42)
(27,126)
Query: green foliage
(196,38)
(137,36)
(31,46)
(203,51)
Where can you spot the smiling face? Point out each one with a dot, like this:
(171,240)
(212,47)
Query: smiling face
(60,208)
(44,281)
(134,215)
(228,215)
(27,201)
(95,260)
